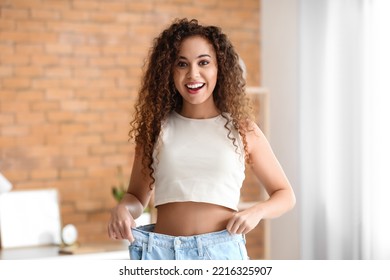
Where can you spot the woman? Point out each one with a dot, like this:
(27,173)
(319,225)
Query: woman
(194,137)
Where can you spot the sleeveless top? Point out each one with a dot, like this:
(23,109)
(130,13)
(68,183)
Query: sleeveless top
(194,160)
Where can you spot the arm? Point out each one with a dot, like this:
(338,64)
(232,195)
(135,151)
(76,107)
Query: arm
(269,172)
(132,204)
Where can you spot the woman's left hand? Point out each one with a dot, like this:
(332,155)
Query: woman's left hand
(244,221)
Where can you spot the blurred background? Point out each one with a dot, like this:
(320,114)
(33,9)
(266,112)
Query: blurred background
(317,74)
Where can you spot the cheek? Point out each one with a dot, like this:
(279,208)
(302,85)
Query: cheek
(177,79)
(214,78)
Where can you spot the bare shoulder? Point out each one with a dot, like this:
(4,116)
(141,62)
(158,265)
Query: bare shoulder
(254,136)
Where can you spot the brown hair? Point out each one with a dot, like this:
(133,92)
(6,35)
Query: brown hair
(158,96)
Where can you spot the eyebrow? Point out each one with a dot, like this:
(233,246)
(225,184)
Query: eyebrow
(200,56)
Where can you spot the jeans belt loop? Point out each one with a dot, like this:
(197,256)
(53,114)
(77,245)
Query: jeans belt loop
(200,246)
(150,242)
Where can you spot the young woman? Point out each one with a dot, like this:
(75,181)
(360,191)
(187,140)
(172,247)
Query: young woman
(194,137)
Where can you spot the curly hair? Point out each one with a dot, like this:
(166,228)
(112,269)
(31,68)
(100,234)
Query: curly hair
(158,96)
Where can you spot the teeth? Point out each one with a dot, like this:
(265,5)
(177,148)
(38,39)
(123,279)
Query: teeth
(194,86)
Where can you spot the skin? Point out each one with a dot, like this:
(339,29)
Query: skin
(197,65)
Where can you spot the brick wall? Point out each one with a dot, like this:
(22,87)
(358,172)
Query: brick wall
(69,73)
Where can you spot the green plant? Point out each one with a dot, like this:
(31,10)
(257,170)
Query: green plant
(119,191)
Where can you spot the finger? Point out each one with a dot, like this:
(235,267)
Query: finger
(125,232)
(111,232)
(233,226)
(128,234)
(121,233)
(115,232)
(230,225)
(241,229)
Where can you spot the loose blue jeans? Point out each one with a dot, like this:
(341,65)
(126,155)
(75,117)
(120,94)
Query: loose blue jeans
(220,245)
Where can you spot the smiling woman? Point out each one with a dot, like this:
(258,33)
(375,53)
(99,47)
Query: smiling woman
(194,135)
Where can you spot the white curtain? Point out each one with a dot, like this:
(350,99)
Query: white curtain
(344,122)
(376,132)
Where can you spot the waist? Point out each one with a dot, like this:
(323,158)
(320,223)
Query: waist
(147,234)
(191,218)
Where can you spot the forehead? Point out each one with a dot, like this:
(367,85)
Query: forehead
(196,45)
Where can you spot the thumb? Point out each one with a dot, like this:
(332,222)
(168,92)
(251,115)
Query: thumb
(128,231)
(131,238)
(230,224)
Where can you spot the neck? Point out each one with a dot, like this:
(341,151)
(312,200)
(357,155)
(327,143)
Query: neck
(199,111)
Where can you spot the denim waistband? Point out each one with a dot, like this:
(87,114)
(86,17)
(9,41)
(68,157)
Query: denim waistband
(145,234)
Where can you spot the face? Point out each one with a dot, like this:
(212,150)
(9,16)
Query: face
(195,72)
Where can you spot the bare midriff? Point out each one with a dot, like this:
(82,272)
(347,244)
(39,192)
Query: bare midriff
(191,218)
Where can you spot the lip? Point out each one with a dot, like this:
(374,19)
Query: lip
(194,90)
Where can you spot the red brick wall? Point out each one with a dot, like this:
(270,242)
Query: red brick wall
(69,73)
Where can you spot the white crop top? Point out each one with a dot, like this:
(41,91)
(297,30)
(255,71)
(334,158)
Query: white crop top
(194,160)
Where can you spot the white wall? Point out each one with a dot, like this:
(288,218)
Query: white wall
(279,63)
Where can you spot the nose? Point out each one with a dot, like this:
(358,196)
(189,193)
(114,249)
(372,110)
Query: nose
(193,72)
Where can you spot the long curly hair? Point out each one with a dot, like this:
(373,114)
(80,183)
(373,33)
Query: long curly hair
(158,96)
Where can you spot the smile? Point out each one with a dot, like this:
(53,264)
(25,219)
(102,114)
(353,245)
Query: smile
(195,86)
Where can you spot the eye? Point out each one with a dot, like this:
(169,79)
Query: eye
(181,64)
(204,62)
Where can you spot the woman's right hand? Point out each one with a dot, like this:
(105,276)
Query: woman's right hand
(120,223)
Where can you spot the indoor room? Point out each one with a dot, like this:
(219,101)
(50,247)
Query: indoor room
(70,72)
